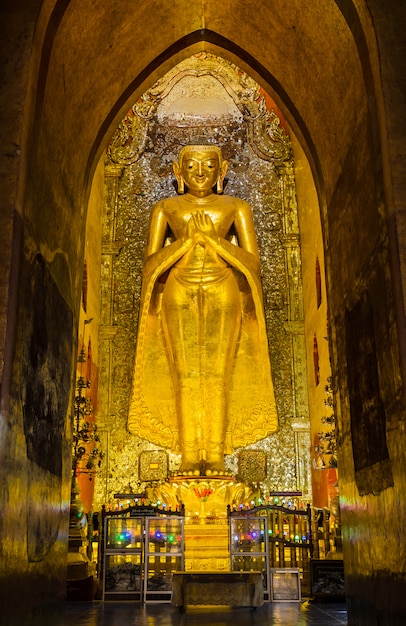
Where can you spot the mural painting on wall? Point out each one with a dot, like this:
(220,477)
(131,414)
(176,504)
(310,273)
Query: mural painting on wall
(368,419)
(46,369)
(207,97)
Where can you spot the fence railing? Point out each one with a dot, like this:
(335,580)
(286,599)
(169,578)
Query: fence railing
(290,537)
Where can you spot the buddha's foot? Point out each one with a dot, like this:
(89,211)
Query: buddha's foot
(214,468)
(189,469)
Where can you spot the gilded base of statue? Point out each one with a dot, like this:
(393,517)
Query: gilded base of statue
(205,498)
(202,512)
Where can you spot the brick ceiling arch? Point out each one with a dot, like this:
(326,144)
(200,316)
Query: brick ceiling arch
(95,59)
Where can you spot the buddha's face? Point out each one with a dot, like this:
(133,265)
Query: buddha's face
(200,170)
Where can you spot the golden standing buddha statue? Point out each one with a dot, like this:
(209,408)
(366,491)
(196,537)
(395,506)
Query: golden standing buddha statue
(202,382)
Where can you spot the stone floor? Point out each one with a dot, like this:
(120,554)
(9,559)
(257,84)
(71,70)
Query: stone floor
(128,614)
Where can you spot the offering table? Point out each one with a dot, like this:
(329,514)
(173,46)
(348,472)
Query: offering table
(217,588)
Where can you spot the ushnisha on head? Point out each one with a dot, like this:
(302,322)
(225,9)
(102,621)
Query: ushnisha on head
(200,167)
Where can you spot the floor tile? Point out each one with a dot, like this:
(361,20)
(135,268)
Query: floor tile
(272,614)
(131,614)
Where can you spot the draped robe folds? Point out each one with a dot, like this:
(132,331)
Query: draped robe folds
(251,413)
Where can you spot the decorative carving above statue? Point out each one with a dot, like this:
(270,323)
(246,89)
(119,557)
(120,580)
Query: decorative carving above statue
(165,101)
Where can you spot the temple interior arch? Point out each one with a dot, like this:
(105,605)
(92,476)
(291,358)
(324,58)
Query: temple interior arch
(306,103)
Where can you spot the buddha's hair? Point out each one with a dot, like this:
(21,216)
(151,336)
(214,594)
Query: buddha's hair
(202,147)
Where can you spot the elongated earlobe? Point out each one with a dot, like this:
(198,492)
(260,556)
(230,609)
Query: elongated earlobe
(179,178)
(222,175)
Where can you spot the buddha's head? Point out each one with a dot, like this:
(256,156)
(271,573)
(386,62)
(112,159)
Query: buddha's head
(200,167)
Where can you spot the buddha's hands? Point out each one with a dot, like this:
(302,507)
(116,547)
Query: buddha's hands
(200,228)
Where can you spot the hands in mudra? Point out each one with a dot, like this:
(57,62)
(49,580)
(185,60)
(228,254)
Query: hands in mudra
(201,228)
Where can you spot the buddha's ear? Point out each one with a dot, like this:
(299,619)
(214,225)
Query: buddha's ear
(222,173)
(179,177)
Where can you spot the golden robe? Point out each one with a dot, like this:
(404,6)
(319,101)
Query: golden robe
(251,411)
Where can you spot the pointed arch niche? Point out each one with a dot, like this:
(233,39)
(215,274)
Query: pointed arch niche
(207,95)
